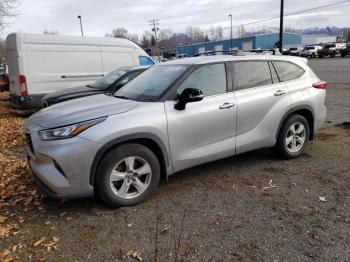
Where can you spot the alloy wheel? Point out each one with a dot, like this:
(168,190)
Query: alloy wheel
(130,177)
(295,137)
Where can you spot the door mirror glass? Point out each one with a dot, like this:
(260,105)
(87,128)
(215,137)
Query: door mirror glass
(188,95)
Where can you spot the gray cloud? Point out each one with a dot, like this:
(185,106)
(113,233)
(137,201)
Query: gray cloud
(100,17)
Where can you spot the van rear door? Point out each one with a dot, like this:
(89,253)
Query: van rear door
(13,60)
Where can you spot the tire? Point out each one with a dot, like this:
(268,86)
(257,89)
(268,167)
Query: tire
(287,150)
(126,162)
(312,55)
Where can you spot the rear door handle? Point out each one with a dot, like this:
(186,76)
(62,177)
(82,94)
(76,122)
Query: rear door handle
(280,92)
(226,105)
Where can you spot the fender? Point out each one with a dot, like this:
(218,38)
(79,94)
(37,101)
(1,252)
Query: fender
(126,138)
(295,109)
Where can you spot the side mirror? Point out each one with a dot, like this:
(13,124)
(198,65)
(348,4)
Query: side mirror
(188,95)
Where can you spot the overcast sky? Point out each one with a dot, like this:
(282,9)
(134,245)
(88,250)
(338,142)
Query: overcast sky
(99,17)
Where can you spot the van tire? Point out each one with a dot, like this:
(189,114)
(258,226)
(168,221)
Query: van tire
(116,158)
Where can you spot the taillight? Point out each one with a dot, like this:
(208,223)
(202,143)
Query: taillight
(23,85)
(320,85)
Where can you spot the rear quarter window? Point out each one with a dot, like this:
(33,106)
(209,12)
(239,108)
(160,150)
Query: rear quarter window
(288,71)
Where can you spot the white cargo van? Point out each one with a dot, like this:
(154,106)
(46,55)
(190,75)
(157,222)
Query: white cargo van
(40,64)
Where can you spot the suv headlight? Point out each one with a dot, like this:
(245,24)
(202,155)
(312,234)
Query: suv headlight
(64,132)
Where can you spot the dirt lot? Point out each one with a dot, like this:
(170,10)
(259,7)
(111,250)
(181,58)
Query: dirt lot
(251,207)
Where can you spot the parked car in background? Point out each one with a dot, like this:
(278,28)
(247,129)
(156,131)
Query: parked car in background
(4,79)
(346,51)
(327,50)
(41,64)
(310,51)
(174,116)
(108,84)
(294,51)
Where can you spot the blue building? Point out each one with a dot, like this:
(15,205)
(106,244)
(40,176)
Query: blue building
(264,41)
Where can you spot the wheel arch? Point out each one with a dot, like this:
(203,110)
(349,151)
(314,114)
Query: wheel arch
(150,141)
(307,112)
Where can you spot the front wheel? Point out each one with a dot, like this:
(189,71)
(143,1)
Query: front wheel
(293,137)
(127,175)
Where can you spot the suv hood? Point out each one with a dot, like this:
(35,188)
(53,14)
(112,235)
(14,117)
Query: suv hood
(82,109)
(72,92)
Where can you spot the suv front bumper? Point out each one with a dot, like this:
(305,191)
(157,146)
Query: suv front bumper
(61,167)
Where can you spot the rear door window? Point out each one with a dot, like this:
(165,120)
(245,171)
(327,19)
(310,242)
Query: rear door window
(288,71)
(248,74)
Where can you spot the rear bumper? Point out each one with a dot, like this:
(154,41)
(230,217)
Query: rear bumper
(320,118)
(26,102)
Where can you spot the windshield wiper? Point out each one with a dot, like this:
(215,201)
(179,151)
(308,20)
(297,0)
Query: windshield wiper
(123,97)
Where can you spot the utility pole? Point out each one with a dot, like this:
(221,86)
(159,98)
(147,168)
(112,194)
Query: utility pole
(281,26)
(231,32)
(154,23)
(81,25)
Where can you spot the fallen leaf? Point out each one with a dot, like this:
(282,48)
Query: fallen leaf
(322,199)
(130,225)
(2,219)
(48,222)
(69,218)
(165,229)
(41,240)
(55,239)
(14,248)
(134,254)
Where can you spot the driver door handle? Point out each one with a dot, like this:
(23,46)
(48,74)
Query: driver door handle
(226,105)
(280,92)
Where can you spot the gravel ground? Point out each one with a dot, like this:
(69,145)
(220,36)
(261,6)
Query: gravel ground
(250,207)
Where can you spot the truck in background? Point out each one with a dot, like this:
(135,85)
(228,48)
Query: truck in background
(40,64)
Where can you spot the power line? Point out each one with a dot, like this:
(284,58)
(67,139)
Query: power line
(286,15)
(289,14)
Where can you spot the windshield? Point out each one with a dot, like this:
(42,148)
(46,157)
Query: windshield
(310,48)
(293,48)
(151,84)
(107,80)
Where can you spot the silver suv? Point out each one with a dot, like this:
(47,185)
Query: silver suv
(174,116)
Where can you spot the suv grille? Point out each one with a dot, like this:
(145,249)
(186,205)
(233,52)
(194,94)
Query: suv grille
(29,142)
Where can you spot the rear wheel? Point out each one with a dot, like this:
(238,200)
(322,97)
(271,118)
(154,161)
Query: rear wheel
(127,175)
(293,137)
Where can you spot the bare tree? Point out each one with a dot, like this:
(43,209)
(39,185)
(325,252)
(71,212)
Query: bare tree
(8,11)
(146,39)
(195,34)
(133,37)
(241,31)
(120,32)
(219,31)
(165,34)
